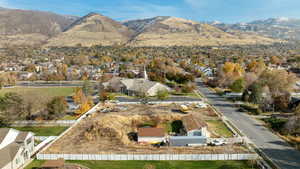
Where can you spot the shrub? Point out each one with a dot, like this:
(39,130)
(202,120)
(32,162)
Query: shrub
(275,123)
(252,108)
(162,94)
(238,86)
(188,88)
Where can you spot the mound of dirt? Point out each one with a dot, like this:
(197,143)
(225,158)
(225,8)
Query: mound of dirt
(117,127)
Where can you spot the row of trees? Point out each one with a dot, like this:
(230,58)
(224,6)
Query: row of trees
(14,106)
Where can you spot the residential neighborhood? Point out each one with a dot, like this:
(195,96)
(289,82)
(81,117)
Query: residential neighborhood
(180,84)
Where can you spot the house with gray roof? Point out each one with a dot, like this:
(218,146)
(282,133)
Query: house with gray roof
(16,148)
(196,132)
(135,87)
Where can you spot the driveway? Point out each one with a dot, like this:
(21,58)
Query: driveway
(285,156)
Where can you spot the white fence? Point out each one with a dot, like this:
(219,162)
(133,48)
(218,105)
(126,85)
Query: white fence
(88,113)
(232,140)
(45,141)
(40,138)
(149,157)
(44,123)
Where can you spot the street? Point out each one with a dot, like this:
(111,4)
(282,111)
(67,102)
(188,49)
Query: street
(280,152)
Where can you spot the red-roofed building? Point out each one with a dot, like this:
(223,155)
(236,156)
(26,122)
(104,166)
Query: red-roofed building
(151,135)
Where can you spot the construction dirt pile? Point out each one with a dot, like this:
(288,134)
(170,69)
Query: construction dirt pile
(104,133)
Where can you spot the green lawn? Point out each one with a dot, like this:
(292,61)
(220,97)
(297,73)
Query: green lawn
(157,164)
(69,117)
(44,131)
(34,164)
(50,91)
(220,128)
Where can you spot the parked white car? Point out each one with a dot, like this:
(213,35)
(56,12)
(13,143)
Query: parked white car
(217,143)
(201,105)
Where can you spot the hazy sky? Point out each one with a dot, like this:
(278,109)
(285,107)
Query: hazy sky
(200,10)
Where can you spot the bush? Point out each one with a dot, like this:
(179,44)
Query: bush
(162,94)
(188,88)
(275,123)
(252,108)
(238,86)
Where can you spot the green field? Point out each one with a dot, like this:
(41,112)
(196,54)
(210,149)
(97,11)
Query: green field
(45,91)
(220,128)
(34,164)
(43,131)
(157,164)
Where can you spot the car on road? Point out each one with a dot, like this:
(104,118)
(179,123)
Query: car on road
(201,105)
(217,143)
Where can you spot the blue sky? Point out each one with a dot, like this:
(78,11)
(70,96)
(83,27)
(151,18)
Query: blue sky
(228,11)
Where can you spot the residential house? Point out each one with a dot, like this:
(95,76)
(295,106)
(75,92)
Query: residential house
(16,148)
(209,72)
(151,135)
(196,132)
(25,75)
(195,126)
(135,87)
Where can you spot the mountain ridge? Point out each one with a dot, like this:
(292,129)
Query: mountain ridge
(173,31)
(37,27)
(92,29)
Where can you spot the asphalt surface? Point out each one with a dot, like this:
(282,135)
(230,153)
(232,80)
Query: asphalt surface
(280,152)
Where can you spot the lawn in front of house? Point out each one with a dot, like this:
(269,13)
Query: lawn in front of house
(35,164)
(45,91)
(157,164)
(219,128)
(43,131)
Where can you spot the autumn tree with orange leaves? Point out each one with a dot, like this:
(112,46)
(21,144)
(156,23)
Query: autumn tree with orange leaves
(229,73)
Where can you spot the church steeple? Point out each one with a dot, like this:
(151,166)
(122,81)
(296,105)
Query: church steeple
(145,73)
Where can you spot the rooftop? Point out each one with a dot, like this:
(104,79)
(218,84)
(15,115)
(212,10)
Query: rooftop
(151,132)
(192,122)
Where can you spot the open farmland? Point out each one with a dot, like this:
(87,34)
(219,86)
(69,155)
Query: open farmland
(108,132)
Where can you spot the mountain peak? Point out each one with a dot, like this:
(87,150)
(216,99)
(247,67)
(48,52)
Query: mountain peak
(92,14)
(93,29)
(282,19)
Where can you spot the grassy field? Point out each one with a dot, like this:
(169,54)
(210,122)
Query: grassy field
(43,131)
(51,91)
(34,164)
(157,164)
(220,128)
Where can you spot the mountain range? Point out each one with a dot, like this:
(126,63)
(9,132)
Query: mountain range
(280,28)
(25,27)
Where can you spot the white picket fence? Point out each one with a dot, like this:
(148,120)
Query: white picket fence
(44,123)
(148,157)
(232,140)
(41,138)
(45,141)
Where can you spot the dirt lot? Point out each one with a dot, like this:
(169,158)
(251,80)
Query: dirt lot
(107,132)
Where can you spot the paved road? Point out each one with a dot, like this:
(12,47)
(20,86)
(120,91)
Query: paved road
(274,147)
